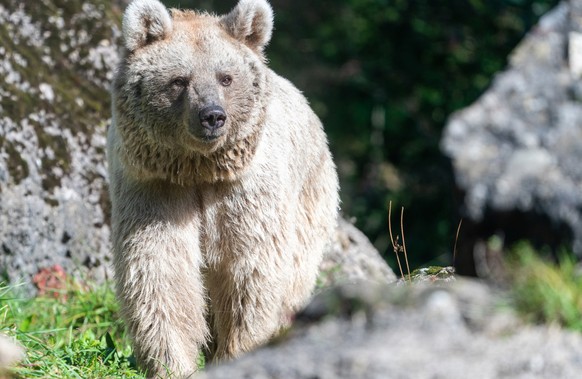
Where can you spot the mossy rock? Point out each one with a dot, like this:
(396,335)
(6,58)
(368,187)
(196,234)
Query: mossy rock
(56,63)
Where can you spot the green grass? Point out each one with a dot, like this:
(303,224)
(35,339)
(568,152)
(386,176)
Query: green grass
(545,291)
(68,334)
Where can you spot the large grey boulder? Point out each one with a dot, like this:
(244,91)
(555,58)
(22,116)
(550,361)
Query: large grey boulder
(371,331)
(352,258)
(56,62)
(518,149)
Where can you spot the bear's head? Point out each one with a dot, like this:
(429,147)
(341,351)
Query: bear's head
(190,89)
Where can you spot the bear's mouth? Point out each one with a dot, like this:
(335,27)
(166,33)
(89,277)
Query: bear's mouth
(204,141)
(210,138)
(206,135)
(210,135)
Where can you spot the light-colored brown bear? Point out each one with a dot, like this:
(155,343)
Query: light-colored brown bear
(223,188)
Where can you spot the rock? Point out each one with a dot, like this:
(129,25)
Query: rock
(516,151)
(56,63)
(353,258)
(449,331)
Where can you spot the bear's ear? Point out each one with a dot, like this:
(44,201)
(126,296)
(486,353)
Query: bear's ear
(250,22)
(144,22)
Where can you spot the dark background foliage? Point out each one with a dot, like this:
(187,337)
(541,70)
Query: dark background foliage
(384,75)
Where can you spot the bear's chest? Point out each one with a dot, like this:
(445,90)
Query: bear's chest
(238,217)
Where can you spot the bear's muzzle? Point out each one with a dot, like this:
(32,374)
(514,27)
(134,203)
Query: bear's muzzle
(212,118)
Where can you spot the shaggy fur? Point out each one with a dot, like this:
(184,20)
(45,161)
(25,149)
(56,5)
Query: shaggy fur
(217,236)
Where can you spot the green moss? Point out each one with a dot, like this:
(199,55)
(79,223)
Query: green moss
(433,273)
(67,78)
(50,201)
(17,166)
(61,159)
(79,105)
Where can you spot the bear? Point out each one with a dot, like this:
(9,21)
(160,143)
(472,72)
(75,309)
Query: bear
(223,188)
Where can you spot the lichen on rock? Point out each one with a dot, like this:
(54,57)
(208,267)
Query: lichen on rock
(56,63)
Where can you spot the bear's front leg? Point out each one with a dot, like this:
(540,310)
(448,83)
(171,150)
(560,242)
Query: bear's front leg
(247,309)
(157,269)
(249,269)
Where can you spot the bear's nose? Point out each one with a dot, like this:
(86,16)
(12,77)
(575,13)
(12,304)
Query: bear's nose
(212,117)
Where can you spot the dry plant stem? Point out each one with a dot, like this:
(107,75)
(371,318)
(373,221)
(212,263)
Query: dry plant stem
(390,224)
(394,247)
(456,239)
(404,242)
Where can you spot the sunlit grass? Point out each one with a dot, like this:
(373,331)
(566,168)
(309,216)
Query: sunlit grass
(547,292)
(72,333)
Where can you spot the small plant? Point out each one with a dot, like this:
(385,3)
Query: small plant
(396,246)
(544,291)
(432,273)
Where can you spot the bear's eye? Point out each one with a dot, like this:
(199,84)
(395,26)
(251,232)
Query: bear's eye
(226,80)
(180,82)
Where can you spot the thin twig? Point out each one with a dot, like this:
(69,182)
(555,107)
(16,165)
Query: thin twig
(394,246)
(390,224)
(456,239)
(399,265)
(404,242)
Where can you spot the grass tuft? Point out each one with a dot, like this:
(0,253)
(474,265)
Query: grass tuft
(547,292)
(73,332)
